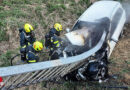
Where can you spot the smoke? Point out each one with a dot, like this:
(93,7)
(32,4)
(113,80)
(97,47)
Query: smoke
(126,6)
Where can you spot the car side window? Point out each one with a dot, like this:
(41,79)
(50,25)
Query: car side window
(115,20)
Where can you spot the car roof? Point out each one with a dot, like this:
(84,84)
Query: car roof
(99,10)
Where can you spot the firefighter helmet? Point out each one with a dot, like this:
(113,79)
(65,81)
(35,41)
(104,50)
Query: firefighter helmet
(28,28)
(38,46)
(58,27)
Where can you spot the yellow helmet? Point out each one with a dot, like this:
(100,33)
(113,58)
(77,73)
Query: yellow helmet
(58,27)
(38,46)
(28,28)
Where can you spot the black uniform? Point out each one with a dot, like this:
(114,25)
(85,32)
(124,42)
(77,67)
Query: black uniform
(55,42)
(31,54)
(48,36)
(48,41)
(25,40)
(53,31)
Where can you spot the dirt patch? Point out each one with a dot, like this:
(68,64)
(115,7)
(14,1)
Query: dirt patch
(4,46)
(13,41)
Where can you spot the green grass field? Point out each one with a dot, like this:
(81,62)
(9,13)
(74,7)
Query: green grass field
(41,14)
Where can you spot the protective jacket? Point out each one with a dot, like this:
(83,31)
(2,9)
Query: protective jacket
(53,32)
(26,38)
(55,42)
(48,36)
(31,54)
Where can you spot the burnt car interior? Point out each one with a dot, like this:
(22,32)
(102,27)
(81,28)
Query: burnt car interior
(91,33)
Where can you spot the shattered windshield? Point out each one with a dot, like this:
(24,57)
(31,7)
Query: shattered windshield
(85,35)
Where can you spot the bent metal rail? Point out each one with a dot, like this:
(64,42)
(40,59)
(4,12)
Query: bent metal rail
(21,75)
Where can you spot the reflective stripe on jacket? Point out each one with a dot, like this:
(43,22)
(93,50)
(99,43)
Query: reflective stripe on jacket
(31,55)
(55,41)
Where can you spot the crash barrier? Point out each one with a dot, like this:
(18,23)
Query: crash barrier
(21,75)
(29,78)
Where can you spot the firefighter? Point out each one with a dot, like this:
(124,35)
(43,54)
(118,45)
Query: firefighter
(56,29)
(55,44)
(31,51)
(27,37)
(53,31)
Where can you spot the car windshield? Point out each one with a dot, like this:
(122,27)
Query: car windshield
(85,35)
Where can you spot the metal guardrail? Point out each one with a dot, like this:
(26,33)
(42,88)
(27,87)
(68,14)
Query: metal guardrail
(21,75)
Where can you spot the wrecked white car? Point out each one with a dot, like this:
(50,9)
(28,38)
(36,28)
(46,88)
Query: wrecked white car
(100,26)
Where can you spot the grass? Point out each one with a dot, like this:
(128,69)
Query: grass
(69,86)
(42,14)
(14,12)
(38,12)
(3,36)
(43,84)
(9,3)
(27,88)
(86,86)
(1,8)
(17,12)
(85,1)
(51,7)
(5,58)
